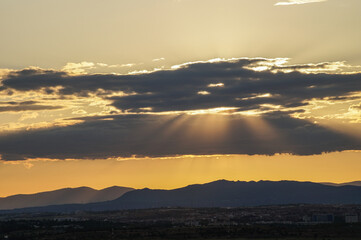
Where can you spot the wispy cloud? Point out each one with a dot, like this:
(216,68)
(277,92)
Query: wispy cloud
(158,59)
(293,2)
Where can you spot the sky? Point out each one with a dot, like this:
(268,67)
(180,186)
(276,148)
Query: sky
(166,93)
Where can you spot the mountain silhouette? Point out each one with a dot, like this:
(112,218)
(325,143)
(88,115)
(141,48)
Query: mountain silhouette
(62,196)
(222,193)
(355,183)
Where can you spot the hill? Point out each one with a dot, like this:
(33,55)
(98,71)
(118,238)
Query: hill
(355,183)
(222,194)
(62,196)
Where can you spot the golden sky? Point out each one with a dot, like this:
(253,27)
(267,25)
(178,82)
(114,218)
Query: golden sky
(123,92)
(178,172)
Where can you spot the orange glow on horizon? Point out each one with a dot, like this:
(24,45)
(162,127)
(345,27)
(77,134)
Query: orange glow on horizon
(168,173)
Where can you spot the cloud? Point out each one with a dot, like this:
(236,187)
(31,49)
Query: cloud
(158,59)
(125,65)
(79,68)
(293,2)
(356,107)
(160,135)
(29,115)
(220,106)
(4,72)
(240,83)
(85,67)
(25,106)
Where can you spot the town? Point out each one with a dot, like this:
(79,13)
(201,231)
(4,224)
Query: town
(281,222)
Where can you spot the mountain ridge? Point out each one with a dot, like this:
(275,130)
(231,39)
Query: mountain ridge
(354,183)
(62,196)
(221,193)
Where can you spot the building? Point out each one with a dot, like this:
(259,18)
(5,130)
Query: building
(351,218)
(323,218)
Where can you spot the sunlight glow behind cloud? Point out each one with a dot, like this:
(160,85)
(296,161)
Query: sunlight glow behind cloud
(131,80)
(220,106)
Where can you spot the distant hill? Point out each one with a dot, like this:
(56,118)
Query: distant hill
(355,183)
(62,196)
(222,194)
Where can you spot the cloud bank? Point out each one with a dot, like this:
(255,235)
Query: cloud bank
(235,83)
(157,135)
(221,106)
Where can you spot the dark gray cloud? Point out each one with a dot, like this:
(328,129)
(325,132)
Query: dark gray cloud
(156,135)
(172,90)
(25,106)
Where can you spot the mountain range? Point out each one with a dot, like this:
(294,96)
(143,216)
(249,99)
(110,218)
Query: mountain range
(220,193)
(62,196)
(355,183)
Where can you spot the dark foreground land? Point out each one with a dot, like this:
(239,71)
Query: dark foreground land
(269,222)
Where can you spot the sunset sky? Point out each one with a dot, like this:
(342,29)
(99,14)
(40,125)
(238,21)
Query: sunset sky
(166,93)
